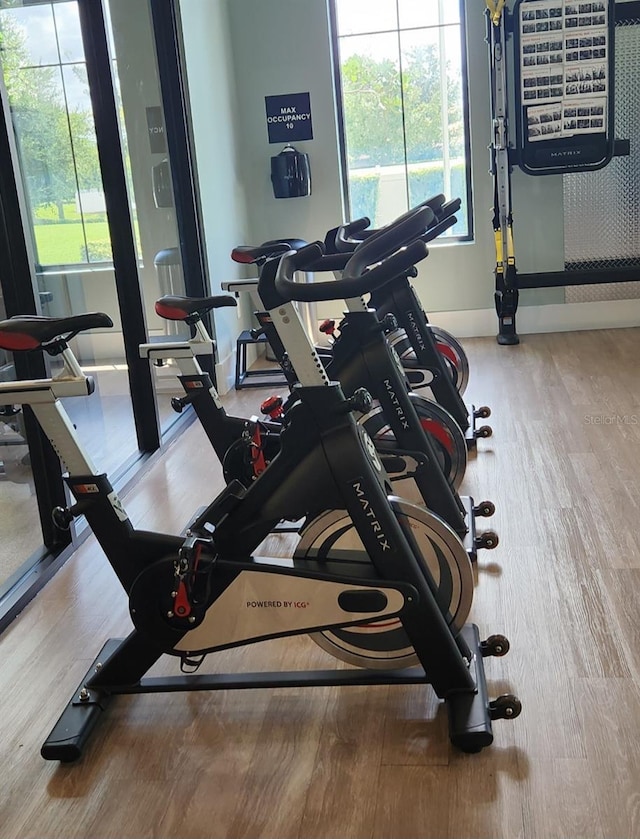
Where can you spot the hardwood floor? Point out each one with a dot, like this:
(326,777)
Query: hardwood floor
(563,468)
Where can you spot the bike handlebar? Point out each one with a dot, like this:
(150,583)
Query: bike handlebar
(346,237)
(438,229)
(352,228)
(345,245)
(396,248)
(402,231)
(449,208)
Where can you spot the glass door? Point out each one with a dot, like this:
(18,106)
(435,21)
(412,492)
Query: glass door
(20,537)
(87,198)
(152,204)
(45,75)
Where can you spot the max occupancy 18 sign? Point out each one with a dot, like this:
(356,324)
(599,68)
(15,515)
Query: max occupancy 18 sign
(564,78)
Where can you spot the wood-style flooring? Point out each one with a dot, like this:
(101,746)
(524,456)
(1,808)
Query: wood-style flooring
(563,468)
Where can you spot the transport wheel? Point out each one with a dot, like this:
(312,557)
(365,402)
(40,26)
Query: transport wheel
(488,540)
(484,412)
(384,644)
(485,509)
(445,433)
(495,645)
(505,707)
(484,431)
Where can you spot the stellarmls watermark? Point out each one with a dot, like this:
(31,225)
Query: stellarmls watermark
(611,419)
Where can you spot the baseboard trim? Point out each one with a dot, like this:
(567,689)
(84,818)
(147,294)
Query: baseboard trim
(555,317)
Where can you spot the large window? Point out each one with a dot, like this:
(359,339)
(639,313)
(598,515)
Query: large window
(402,80)
(45,74)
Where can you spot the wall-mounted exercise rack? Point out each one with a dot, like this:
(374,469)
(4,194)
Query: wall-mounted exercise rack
(564,65)
(564,85)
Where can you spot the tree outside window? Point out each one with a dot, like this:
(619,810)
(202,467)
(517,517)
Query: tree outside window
(401,76)
(52,116)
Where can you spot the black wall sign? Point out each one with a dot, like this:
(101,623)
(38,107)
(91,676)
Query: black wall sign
(155,124)
(289,117)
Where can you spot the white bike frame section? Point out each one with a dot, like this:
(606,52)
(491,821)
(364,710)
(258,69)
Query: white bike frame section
(302,353)
(184,354)
(43,396)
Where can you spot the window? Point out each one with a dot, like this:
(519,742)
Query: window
(403,94)
(42,59)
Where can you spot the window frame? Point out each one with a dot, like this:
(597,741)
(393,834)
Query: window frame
(340,121)
(87,265)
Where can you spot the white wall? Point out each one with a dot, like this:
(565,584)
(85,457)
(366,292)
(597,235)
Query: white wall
(279,47)
(286,49)
(283,46)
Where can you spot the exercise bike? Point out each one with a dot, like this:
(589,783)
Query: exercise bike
(224,432)
(396,607)
(229,435)
(401,442)
(362,358)
(433,360)
(447,438)
(244,446)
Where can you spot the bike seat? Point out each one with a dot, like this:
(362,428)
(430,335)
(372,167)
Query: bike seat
(30,332)
(251,254)
(173,307)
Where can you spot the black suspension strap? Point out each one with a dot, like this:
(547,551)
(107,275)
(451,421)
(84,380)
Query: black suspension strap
(506,291)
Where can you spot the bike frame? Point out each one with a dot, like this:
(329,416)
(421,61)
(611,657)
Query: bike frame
(400,299)
(222,429)
(336,456)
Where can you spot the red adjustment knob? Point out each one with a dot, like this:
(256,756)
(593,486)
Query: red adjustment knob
(272,407)
(328,326)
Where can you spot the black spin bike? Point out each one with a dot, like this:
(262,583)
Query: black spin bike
(396,604)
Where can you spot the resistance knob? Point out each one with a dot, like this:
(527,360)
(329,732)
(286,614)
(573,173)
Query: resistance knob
(361,401)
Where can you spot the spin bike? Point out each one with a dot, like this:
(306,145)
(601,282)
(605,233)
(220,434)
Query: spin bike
(229,435)
(452,360)
(432,359)
(438,423)
(410,458)
(244,446)
(238,442)
(362,358)
(397,607)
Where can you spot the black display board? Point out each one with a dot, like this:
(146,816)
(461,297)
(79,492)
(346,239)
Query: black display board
(564,85)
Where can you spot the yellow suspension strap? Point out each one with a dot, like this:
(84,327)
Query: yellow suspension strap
(495,8)
(506,293)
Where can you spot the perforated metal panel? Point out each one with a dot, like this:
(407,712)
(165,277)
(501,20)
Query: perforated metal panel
(602,209)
